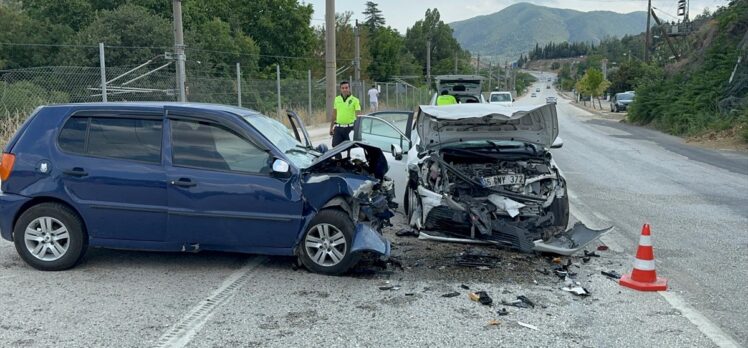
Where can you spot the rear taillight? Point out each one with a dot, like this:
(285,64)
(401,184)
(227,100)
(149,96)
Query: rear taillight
(6,165)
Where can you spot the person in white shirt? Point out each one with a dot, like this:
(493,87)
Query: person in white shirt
(373,98)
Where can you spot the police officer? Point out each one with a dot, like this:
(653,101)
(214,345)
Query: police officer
(344,114)
(445,98)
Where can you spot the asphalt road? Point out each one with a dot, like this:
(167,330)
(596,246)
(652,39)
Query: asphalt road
(618,176)
(695,199)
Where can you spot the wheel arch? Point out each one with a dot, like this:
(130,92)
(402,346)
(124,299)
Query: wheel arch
(40,200)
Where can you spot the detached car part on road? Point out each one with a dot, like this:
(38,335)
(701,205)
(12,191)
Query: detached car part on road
(187,177)
(483,172)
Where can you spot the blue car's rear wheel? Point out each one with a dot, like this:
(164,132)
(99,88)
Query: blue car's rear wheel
(50,237)
(326,246)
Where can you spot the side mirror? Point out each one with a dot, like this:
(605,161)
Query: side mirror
(514,100)
(281,167)
(558,143)
(397,151)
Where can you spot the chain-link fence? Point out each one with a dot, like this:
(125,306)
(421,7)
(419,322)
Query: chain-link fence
(154,79)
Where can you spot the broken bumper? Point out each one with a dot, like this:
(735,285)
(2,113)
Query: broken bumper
(571,241)
(365,238)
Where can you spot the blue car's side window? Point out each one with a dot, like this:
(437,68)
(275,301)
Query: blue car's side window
(124,138)
(209,146)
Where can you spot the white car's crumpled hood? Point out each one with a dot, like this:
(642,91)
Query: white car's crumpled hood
(445,124)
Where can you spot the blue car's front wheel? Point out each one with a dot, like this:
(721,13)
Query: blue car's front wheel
(326,246)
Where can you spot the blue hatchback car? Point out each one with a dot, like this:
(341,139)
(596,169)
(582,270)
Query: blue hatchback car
(187,177)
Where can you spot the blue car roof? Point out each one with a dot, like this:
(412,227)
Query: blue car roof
(157,105)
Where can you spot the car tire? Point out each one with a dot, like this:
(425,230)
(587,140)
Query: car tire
(326,245)
(615,109)
(50,237)
(409,211)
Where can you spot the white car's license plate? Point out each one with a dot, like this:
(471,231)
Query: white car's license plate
(499,180)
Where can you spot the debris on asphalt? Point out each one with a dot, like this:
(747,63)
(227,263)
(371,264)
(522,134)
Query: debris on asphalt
(410,294)
(464,286)
(477,258)
(543,271)
(602,247)
(494,322)
(529,326)
(483,268)
(521,302)
(556,260)
(481,296)
(591,254)
(451,294)
(526,300)
(406,232)
(586,259)
(575,288)
(386,286)
(611,274)
(502,311)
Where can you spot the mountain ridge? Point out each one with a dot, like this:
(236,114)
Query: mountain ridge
(528,24)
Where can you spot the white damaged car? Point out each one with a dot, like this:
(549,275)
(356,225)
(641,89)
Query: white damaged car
(479,173)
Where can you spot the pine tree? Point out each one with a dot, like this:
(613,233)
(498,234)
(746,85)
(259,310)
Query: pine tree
(374,19)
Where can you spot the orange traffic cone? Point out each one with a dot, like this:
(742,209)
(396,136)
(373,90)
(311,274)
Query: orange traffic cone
(644,277)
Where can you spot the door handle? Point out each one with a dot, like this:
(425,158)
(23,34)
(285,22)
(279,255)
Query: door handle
(183,182)
(77,171)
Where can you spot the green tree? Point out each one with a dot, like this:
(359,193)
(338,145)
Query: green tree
(75,14)
(444,46)
(16,27)
(374,19)
(386,48)
(280,28)
(143,34)
(218,49)
(593,84)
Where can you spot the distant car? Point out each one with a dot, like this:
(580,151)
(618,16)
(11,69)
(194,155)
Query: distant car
(547,86)
(550,100)
(501,98)
(537,89)
(621,101)
(465,88)
(187,177)
(533,95)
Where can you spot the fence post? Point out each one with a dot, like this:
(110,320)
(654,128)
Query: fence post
(363,95)
(278,88)
(102,67)
(397,95)
(387,92)
(309,82)
(239,84)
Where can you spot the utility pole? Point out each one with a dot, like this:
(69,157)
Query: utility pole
(489,77)
(357,72)
(428,63)
(667,38)
(330,65)
(179,48)
(477,66)
(646,37)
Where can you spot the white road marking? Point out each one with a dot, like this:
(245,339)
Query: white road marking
(706,326)
(720,338)
(183,331)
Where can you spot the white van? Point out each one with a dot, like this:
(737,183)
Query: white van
(501,98)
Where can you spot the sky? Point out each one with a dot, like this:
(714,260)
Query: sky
(401,14)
